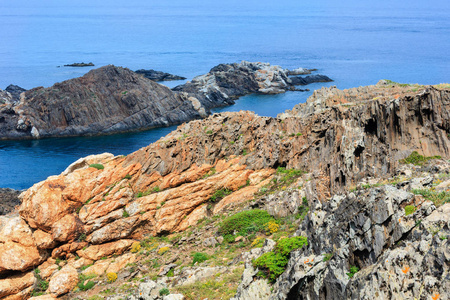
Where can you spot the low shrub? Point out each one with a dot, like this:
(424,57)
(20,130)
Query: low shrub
(416,159)
(97,166)
(219,194)
(353,271)
(111,276)
(272,264)
(245,222)
(199,257)
(164,291)
(84,287)
(135,247)
(409,209)
(163,250)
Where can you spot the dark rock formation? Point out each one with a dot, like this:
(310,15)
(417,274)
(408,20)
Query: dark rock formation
(15,91)
(158,75)
(227,82)
(340,136)
(105,100)
(90,64)
(9,199)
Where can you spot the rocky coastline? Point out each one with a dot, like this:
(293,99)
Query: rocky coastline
(348,191)
(113,99)
(158,75)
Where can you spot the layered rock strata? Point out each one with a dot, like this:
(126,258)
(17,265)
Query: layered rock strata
(105,100)
(100,204)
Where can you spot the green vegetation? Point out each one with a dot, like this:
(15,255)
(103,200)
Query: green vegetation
(209,132)
(82,237)
(199,257)
(353,271)
(41,285)
(170,273)
(244,222)
(222,287)
(302,210)
(211,172)
(285,177)
(164,291)
(125,214)
(418,160)
(409,209)
(390,82)
(244,152)
(97,166)
(272,264)
(327,256)
(219,194)
(438,198)
(84,287)
(128,176)
(155,189)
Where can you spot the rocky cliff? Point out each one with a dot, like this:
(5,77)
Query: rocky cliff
(377,225)
(105,100)
(226,82)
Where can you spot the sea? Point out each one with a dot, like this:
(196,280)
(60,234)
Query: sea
(353,42)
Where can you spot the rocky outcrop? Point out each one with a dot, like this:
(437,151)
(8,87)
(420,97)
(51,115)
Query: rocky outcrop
(105,100)
(158,75)
(82,64)
(101,204)
(9,199)
(397,256)
(227,82)
(15,92)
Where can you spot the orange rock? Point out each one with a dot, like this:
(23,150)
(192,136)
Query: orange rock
(13,228)
(63,281)
(65,249)
(43,240)
(43,297)
(67,229)
(16,283)
(14,256)
(120,262)
(96,252)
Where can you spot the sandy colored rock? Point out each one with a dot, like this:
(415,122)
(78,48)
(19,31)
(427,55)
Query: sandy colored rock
(13,228)
(65,249)
(43,297)
(63,281)
(67,228)
(98,268)
(43,240)
(121,262)
(15,284)
(14,256)
(96,252)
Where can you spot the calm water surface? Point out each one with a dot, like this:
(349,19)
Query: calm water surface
(354,42)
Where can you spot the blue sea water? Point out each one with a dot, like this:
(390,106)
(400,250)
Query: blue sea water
(353,42)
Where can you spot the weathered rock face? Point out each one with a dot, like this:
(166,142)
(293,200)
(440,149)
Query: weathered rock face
(15,92)
(340,139)
(105,100)
(227,82)
(9,199)
(158,75)
(167,186)
(400,257)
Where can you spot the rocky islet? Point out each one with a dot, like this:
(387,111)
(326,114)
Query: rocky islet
(349,142)
(113,99)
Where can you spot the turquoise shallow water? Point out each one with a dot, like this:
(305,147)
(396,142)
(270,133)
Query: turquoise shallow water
(354,42)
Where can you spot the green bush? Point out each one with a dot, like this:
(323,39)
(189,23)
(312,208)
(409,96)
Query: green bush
(245,222)
(164,291)
(353,271)
(219,194)
(84,287)
(125,214)
(409,209)
(97,166)
(416,159)
(199,257)
(272,264)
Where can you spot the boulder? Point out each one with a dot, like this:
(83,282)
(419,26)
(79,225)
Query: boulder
(63,281)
